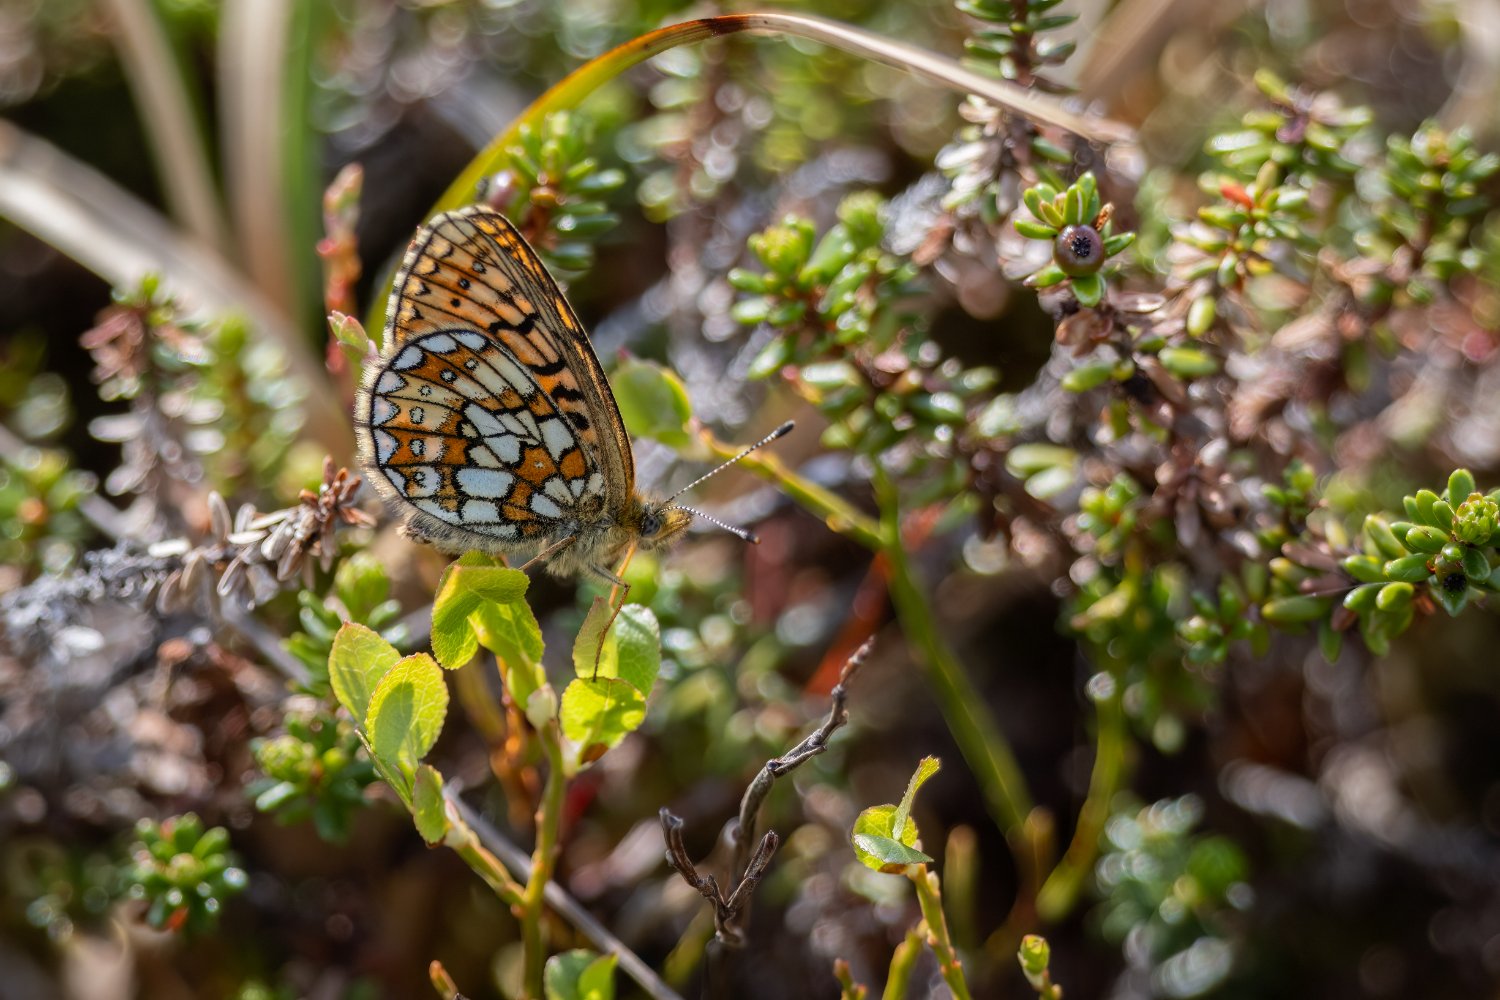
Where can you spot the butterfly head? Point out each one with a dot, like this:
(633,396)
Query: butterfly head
(661,523)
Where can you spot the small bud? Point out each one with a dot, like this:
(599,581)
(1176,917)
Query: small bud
(1475,519)
(1035,955)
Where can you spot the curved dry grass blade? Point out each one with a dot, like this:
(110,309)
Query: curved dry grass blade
(252,50)
(571,90)
(168,118)
(86,216)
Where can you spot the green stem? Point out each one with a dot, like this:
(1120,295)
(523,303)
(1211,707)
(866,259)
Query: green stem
(543,857)
(903,960)
(979,737)
(836,513)
(488,867)
(929,895)
(1060,891)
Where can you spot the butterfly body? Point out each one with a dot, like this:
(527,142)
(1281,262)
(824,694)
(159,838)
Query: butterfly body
(487,423)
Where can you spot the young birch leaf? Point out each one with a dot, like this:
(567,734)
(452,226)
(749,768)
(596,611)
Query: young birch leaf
(877,849)
(359,659)
(511,632)
(883,835)
(586,651)
(427,806)
(596,714)
(902,820)
(467,585)
(638,638)
(406,712)
(580,975)
(890,856)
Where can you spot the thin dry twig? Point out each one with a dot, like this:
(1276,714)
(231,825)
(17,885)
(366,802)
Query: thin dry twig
(730,911)
(813,744)
(519,864)
(726,909)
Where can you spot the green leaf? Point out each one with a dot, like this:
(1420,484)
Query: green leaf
(1412,568)
(1424,539)
(1026,459)
(1394,596)
(1380,535)
(427,806)
(1291,610)
(1188,362)
(580,975)
(1365,569)
(632,650)
(588,657)
(1201,314)
(1089,290)
(359,659)
(638,637)
(467,584)
(597,714)
(1460,485)
(407,711)
(1034,230)
(511,632)
(771,359)
(1086,377)
(926,768)
(884,854)
(653,401)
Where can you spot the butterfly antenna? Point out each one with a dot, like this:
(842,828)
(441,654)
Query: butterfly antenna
(778,432)
(740,533)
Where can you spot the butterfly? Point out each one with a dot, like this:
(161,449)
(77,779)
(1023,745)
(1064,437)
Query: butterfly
(487,422)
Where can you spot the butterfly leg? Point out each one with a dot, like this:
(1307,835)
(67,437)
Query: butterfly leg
(620,585)
(548,552)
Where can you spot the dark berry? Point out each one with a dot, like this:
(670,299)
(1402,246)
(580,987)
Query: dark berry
(1454,583)
(1078,251)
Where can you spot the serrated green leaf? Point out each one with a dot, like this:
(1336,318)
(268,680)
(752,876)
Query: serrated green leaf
(511,632)
(597,714)
(359,659)
(407,712)
(428,809)
(653,401)
(639,647)
(632,649)
(466,585)
(594,651)
(886,855)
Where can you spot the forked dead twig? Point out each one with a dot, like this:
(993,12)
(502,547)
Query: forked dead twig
(749,867)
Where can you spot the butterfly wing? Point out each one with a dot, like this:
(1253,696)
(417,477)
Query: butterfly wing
(461,431)
(488,417)
(472,268)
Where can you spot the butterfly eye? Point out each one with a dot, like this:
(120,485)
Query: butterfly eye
(650,524)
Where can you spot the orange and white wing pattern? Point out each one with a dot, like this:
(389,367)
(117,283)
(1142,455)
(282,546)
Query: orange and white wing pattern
(488,421)
(471,269)
(464,433)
